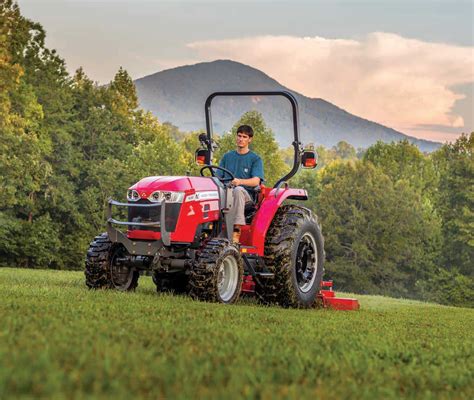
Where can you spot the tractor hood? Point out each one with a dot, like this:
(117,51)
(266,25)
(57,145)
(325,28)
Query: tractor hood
(187,184)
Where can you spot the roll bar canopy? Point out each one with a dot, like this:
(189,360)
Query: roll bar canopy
(294,106)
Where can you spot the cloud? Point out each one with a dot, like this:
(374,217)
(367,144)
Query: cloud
(400,82)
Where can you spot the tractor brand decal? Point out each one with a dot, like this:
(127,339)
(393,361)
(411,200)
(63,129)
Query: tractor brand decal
(210,206)
(199,196)
(191,211)
(144,195)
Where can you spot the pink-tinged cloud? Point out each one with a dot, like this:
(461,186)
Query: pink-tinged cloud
(399,82)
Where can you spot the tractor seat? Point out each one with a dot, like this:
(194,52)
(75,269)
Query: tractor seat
(251,206)
(249,211)
(254,192)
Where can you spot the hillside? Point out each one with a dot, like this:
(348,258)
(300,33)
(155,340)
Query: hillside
(60,340)
(177,95)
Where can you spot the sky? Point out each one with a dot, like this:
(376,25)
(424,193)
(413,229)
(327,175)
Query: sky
(407,64)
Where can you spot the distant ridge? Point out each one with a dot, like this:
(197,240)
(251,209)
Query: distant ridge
(177,95)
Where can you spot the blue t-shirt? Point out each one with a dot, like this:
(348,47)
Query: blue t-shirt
(243,166)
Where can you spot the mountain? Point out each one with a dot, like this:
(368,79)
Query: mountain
(177,95)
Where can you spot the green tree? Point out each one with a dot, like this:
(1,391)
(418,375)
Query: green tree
(345,150)
(125,87)
(24,143)
(66,145)
(325,156)
(455,202)
(309,180)
(287,155)
(404,161)
(381,237)
(160,156)
(448,287)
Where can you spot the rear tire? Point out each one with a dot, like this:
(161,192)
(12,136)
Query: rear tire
(294,253)
(102,269)
(218,272)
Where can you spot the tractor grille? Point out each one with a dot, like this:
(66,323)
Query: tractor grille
(141,214)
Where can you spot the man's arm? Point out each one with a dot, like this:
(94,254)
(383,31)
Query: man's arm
(251,182)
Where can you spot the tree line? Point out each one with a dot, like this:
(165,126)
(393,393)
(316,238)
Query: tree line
(396,221)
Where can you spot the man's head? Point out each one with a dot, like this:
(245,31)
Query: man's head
(244,136)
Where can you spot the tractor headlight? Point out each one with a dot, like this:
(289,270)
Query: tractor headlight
(169,197)
(132,195)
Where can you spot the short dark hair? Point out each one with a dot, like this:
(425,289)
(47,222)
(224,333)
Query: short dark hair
(247,129)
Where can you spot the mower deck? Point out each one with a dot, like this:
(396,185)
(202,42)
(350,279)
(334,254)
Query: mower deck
(326,296)
(329,300)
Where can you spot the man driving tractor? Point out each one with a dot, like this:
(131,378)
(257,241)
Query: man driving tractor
(247,168)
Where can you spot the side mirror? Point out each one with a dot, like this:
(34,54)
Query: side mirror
(202,157)
(309,158)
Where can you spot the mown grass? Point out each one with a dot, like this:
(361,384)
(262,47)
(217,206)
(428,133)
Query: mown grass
(58,339)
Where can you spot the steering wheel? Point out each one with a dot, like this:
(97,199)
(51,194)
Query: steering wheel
(212,168)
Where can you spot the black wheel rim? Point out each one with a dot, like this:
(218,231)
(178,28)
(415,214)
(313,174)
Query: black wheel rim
(306,262)
(121,274)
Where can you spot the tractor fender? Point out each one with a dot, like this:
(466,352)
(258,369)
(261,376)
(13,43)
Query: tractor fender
(266,212)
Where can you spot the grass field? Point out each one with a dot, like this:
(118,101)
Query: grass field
(58,339)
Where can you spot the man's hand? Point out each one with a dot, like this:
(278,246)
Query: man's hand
(252,182)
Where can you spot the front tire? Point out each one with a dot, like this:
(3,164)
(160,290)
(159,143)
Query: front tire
(218,272)
(103,269)
(294,253)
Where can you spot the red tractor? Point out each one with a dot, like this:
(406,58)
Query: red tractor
(178,231)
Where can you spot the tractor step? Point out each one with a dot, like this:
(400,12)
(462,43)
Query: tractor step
(248,284)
